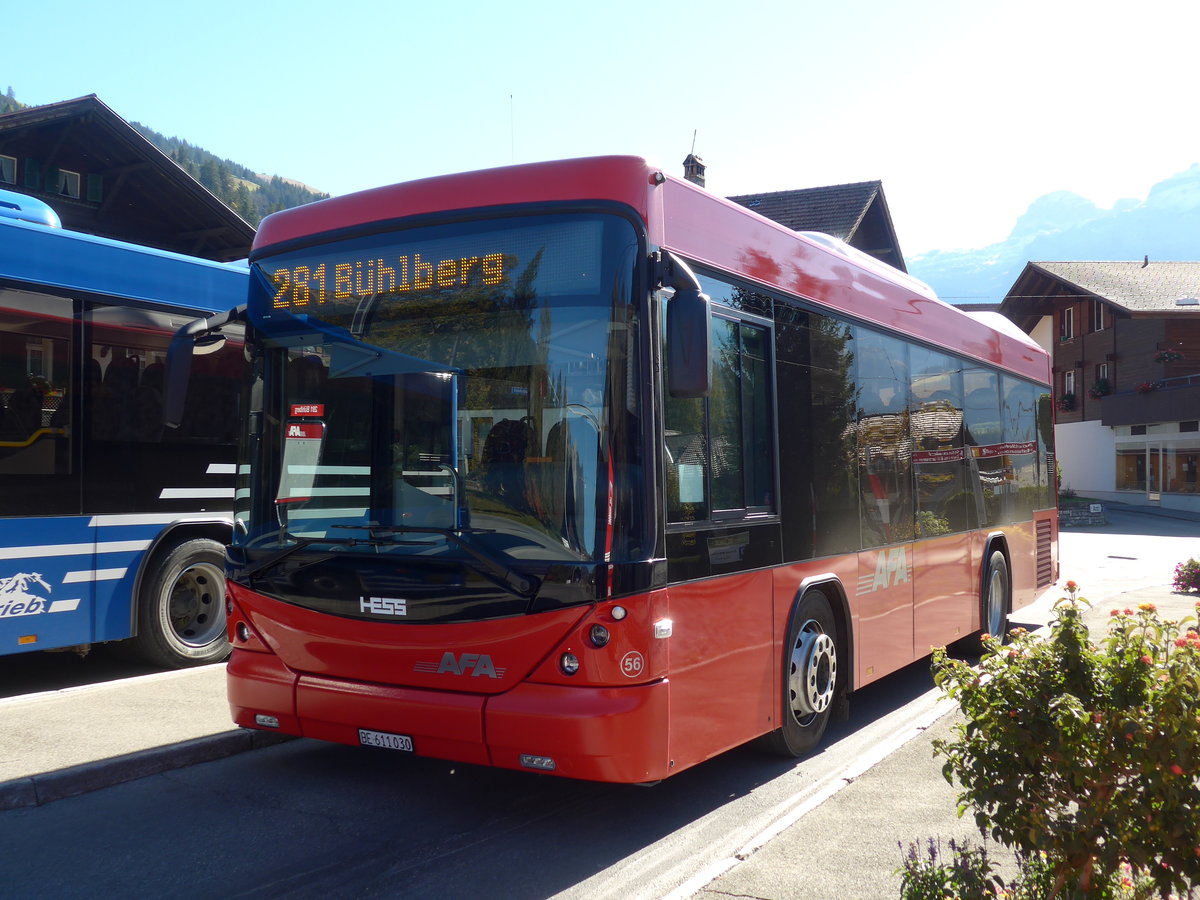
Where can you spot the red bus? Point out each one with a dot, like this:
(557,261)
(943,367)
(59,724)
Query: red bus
(577,468)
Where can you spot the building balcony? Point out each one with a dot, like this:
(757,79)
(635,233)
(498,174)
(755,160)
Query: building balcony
(1170,400)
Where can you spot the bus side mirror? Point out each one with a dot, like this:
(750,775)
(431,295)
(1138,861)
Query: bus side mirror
(199,335)
(689,336)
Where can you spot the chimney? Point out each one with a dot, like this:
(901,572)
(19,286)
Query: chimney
(693,169)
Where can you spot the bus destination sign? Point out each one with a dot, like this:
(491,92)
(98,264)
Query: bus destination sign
(301,287)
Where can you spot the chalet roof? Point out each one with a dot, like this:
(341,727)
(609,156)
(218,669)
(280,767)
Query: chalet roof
(1137,286)
(1140,288)
(856,213)
(130,190)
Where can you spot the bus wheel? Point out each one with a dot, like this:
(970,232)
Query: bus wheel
(810,677)
(181,607)
(996,589)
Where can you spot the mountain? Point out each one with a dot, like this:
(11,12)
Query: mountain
(251,195)
(1065,226)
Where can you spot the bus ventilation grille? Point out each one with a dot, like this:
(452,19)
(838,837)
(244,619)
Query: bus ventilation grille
(1045,564)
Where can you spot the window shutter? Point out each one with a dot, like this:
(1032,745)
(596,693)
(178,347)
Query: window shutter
(33,174)
(95,188)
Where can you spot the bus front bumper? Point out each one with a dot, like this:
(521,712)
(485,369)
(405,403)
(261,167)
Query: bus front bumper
(616,734)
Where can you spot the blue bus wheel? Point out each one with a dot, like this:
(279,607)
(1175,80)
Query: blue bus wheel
(181,607)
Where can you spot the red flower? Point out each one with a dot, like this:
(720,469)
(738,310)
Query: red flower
(1177,768)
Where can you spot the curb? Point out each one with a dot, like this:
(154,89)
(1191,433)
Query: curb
(37,790)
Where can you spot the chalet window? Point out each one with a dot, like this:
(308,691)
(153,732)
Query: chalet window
(1068,383)
(8,169)
(67,184)
(1102,372)
(1097,316)
(1066,323)
(1193,425)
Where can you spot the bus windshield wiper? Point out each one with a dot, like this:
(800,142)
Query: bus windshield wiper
(273,559)
(509,577)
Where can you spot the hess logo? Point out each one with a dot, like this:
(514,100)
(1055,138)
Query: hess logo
(473,664)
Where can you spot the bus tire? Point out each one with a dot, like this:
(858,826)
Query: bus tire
(811,680)
(995,594)
(181,607)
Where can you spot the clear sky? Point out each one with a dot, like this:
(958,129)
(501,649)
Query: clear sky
(967,110)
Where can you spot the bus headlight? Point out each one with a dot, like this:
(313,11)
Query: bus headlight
(569,663)
(598,635)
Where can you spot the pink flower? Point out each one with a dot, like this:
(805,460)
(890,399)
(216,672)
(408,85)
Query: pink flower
(1114,612)
(1146,659)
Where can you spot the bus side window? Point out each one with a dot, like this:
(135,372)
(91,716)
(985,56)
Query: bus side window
(37,474)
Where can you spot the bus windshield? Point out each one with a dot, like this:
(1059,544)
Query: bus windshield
(440,392)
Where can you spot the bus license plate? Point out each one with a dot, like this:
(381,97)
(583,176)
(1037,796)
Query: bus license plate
(385,740)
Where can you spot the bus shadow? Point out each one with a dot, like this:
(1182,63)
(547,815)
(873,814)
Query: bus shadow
(55,670)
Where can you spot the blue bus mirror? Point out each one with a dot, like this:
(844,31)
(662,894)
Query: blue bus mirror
(197,337)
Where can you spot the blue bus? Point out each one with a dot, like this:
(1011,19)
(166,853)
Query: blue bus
(112,527)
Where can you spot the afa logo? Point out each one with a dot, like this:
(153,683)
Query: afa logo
(473,664)
(891,568)
(16,598)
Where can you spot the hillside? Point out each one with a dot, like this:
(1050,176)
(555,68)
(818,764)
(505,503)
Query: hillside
(251,195)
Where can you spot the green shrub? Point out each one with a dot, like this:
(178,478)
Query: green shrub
(1087,753)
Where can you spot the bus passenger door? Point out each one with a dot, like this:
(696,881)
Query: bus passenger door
(46,547)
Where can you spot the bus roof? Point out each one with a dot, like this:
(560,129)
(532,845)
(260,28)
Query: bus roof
(70,261)
(696,224)
(27,209)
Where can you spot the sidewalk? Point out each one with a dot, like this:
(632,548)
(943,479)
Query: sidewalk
(61,743)
(851,845)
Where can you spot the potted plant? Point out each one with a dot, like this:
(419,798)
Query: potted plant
(1145,387)
(1066,402)
(1168,356)
(1099,389)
